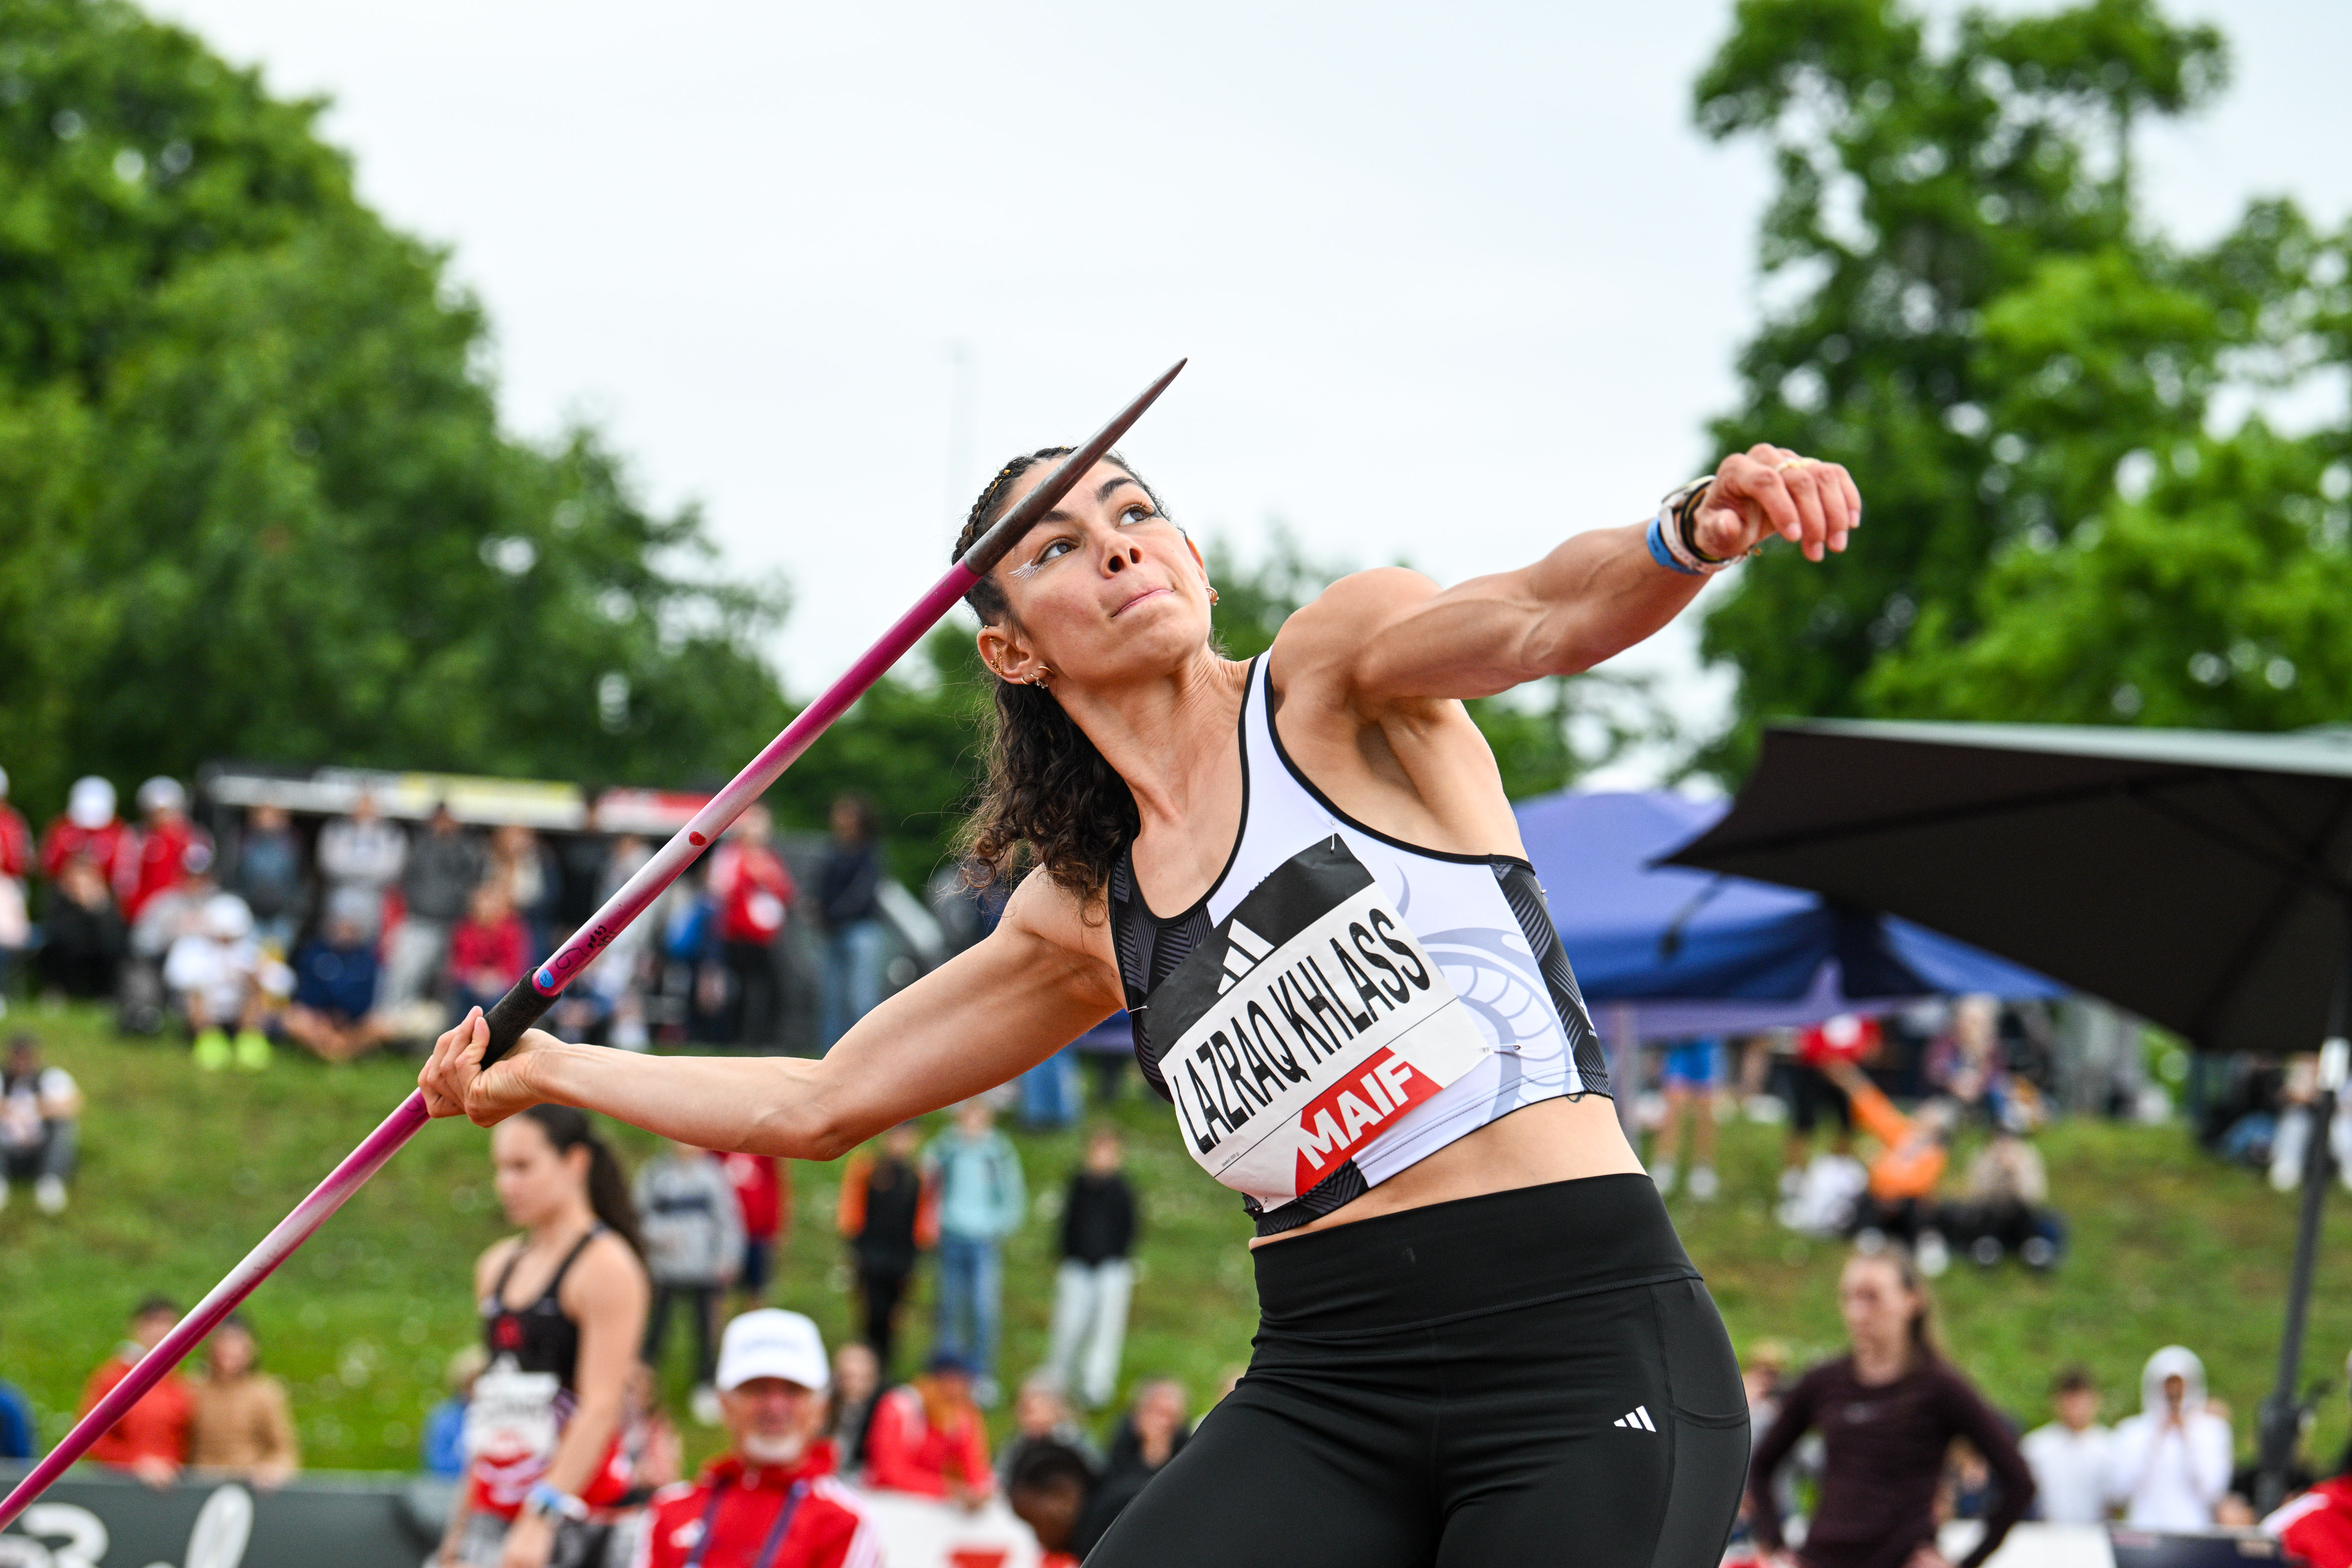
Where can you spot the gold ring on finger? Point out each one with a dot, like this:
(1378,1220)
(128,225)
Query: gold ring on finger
(1792,463)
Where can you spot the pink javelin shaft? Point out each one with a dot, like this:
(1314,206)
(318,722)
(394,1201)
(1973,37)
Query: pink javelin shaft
(537,992)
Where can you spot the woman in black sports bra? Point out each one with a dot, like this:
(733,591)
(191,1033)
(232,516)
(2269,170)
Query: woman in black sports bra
(1481,1340)
(563,1307)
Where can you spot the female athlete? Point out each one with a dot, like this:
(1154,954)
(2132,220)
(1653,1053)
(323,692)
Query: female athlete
(1481,1340)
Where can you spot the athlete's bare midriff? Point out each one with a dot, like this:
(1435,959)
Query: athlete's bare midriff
(1553,1140)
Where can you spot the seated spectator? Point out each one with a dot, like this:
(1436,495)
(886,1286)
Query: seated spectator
(17,1431)
(1153,1432)
(488,951)
(1912,1151)
(161,844)
(849,1412)
(268,877)
(40,1115)
(444,1425)
(1057,1492)
(2007,1210)
(2317,1526)
(16,865)
(142,999)
(242,1424)
(693,1244)
(335,973)
(771,1500)
(2069,1456)
(1041,1416)
(88,831)
(151,1441)
(927,1436)
(81,934)
(2168,1466)
(220,979)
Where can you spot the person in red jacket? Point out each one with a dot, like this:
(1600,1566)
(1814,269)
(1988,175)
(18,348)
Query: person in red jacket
(763,1192)
(755,891)
(488,950)
(771,1500)
(2317,1526)
(927,1436)
(90,831)
(158,862)
(151,1441)
(16,865)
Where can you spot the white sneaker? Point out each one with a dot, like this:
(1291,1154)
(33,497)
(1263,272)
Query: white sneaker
(704,1403)
(1664,1175)
(49,1192)
(1703,1183)
(1932,1256)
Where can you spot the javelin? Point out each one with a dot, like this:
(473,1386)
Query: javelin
(535,992)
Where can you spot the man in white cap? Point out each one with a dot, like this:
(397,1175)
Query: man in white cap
(771,1500)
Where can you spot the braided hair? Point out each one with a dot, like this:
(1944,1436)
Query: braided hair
(1049,795)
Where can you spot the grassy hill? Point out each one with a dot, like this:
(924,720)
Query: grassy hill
(184,1170)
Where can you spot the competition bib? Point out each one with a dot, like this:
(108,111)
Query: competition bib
(511,1417)
(1306,1027)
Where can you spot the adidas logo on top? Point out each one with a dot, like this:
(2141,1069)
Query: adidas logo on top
(1246,951)
(1638,1419)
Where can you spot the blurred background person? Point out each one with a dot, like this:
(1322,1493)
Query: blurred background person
(650,1445)
(163,841)
(763,1198)
(694,1245)
(1066,1501)
(444,1443)
(90,831)
(1888,1412)
(142,999)
(1096,1275)
(268,877)
(928,1438)
(488,950)
(362,857)
(849,1409)
(522,865)
(581,860)
(2316,1527)
(889,1216)
(81,934)
(333,1012)
(1153,1432)
(220,980)
(1848,1037)
(1912,1151)
(2007,1211)
(2069,1454)
(619,975)
(2168,1466)
(770,1500)
(1042,1415)
(151,1441)
(1688,1073)
(240,1423)
(563,1310)
(17,1430)
(982,1201)
(442,868)
(40,1125)
(16,872)
(849,897)
(753,893)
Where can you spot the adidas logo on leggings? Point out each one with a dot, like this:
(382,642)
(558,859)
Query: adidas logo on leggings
(1638,1419)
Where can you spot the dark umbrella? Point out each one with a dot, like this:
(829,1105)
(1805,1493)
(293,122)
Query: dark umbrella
(2202,880)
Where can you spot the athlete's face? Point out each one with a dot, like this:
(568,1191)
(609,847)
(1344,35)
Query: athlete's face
(535,1181)
(1876,1304)
(1103,590)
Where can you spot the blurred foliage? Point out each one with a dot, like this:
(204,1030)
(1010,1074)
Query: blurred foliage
(254,499)
(1970,312)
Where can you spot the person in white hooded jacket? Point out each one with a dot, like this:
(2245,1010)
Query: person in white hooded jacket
(2168,1465)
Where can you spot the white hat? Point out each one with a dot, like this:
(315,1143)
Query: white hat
(227,917)
(4,784)
(163,794)
(772,1342)
(90,805)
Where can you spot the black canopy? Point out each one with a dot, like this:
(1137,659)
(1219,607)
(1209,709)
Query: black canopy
(2200,878)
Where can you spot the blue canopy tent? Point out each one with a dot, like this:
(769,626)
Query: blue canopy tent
(1662,953)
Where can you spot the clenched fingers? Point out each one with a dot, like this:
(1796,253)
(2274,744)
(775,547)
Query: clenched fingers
(455,1062)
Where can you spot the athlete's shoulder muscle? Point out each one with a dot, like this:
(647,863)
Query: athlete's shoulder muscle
(1327,636)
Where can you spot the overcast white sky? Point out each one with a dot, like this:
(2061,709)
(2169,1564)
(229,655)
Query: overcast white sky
(1455,280)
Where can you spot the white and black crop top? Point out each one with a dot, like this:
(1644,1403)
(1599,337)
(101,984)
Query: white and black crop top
(1340,1004)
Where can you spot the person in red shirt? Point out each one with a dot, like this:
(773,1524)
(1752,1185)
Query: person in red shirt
(2317,1525)
(927,1437)
(488,950)
(754,892)
(763,1192)
(771,1500)
(90,831)
(16,865)
(151,1441)
(159,860)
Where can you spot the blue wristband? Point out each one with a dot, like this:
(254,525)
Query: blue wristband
(1660,554)
(548,1501)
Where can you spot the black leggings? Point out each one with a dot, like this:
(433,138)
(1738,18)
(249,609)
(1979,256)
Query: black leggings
(1532,1376)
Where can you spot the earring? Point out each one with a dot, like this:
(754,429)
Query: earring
(1044,675)
(1212,595)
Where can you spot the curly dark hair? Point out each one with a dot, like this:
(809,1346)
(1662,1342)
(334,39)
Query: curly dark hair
(1049,796)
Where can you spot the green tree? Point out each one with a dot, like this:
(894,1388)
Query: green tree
(254,499)
(1948,219)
